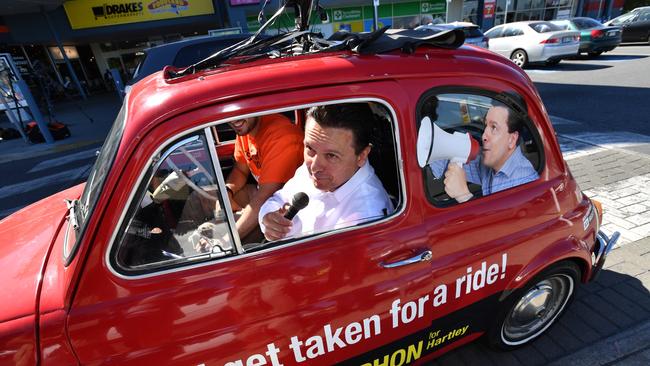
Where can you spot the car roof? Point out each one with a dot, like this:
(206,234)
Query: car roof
(195,40)
(264,76)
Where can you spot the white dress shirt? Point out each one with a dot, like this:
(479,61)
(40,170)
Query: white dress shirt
(361,198)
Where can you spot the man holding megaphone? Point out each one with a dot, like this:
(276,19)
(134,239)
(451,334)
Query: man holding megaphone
(499,166)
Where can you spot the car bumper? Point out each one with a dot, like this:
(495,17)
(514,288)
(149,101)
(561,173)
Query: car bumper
(602,46)
(603,246)
(559,52)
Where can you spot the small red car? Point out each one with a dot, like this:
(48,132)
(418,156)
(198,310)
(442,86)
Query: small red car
(114,277)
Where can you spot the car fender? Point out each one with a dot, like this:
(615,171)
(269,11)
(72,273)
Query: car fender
(569,248)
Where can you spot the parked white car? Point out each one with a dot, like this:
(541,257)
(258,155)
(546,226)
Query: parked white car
(533,41)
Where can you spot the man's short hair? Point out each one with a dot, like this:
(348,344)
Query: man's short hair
(515,120)
(356,117)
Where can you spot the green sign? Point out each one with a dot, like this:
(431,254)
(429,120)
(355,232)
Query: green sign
(431,7)
(347,14)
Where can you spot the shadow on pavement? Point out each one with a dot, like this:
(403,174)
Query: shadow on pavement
(564,66)
(612,304)
(605,57)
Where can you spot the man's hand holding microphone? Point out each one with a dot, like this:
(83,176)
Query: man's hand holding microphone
(278,224)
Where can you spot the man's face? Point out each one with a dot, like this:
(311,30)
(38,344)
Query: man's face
(244,126)
(329,155)
(498,143)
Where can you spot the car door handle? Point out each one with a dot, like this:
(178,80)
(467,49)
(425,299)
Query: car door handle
(424,256)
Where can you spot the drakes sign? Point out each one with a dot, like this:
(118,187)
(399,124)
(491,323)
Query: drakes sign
(98,13)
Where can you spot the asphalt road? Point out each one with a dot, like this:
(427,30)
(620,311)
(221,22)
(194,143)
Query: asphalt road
(609,93)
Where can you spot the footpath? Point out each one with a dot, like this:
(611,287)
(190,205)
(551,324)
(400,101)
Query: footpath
(609,321)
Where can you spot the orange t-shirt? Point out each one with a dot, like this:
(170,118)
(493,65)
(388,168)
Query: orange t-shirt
(275,152)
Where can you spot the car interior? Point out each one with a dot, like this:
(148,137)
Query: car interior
(465,113)
(180,216)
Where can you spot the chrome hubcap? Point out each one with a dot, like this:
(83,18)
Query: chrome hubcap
(537,309)
(518,59)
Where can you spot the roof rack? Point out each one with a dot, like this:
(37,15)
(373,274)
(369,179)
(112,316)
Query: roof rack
(301,41)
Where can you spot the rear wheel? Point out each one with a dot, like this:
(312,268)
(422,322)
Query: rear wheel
(520,58)
(595,54)
(528,312)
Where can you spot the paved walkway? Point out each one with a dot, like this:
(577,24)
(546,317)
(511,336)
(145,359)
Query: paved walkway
(89,122)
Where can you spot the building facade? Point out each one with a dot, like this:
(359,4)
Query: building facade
(83,38)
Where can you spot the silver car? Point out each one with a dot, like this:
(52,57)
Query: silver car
(533,41)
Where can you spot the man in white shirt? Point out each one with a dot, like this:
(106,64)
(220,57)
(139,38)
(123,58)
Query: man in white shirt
(342,187)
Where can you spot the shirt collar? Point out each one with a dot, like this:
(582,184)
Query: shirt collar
(361,175)
(511,163)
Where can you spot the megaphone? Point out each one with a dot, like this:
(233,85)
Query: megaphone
(435,144)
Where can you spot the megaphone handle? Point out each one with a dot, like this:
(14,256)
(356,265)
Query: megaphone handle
(458,161)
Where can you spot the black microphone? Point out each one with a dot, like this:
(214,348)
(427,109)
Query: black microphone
(299,201)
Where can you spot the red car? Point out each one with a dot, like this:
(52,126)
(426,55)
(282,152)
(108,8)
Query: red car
(115,277)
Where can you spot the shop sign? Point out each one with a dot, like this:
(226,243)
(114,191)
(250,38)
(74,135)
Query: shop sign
(488,9)
(346,14)
(432,7)
(99,13)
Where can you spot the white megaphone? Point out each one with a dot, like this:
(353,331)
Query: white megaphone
(436,144)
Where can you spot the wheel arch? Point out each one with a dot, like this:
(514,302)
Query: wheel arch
(569,249)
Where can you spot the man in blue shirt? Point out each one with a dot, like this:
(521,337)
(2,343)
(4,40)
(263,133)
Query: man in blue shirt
(501,164)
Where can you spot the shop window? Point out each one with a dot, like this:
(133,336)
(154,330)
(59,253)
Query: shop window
(505,160)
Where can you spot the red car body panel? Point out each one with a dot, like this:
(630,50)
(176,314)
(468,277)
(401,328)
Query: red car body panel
(233,309)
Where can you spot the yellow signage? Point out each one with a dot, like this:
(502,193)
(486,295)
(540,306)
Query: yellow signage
(99,13)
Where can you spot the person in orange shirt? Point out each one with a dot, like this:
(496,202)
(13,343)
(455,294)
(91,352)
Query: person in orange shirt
(269,148)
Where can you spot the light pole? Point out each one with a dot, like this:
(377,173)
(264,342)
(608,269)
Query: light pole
(447,11)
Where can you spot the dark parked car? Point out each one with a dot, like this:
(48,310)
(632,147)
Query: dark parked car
(595,38)
(473,34)
(635,24)
(180,54)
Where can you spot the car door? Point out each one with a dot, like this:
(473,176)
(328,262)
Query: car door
(498,42)
(479,245)
(639,28)
(320,299)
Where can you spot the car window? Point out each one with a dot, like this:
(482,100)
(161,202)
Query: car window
(494,33)
(512,32)
(472,32)
(645,16)
(586,23)
(178,216)
(455,119)
(192,54)
(625,18)
(544,27)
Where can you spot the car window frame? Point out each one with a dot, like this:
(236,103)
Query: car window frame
(133,200)
(503,97)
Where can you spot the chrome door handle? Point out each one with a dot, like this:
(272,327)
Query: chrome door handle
(424,256)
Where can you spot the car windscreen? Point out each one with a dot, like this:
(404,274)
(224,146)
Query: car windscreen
(472,32)
(100,170)
(194,53)
(139,66)
(586,23)
(544,27)
(624,18)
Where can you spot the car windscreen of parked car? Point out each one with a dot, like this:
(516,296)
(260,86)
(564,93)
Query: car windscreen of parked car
(586,23)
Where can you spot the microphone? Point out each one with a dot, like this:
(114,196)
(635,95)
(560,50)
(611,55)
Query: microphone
(298,202)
